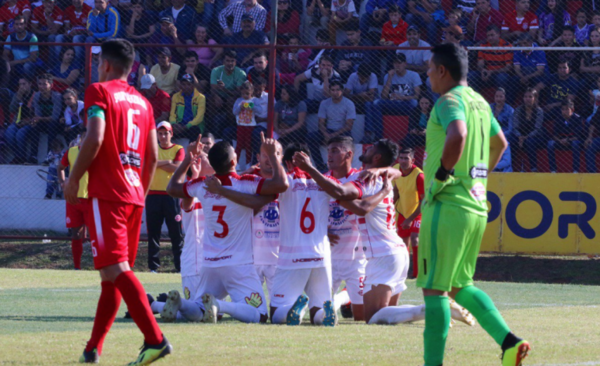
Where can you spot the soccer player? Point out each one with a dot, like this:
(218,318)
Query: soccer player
(464,143)
(75,213)
(304,263)
(408,194)
(347,256)
(227,266)
(120,155)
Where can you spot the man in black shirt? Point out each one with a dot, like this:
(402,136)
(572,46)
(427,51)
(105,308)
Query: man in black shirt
(200,72)
(567,135)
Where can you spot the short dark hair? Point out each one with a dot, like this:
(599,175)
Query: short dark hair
(119,52)
(293,93)
(293,36)
(260,54)
(220,155)
(190,54)
(393,9)
(569,28)
(325,58)
(352,26)
(336,83)
(364,69)
(208,135)
(19,17)
(388,150)
(407,150)
(230,54)
(46,76)
(567,103)
(64,50)
(346,141)
(293,148)
(259,81)
(493,27)
(454,58)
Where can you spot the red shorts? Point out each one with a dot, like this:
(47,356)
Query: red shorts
(76,213)
(414,227)
(114,231)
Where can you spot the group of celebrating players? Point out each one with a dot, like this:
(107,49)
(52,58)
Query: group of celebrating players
(286,224)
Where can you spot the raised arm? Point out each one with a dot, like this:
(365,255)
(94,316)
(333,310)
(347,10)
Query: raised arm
(175,188)
(253,201)
(278,183)
(348,191)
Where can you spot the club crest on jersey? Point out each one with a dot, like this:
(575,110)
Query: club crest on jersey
(270,216)
(337,215)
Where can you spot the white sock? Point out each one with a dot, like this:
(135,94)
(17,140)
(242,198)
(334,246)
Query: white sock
(190,310)
(157,306)
(238,311)
(339,299)
(319,316)
(398,314)
(280,315)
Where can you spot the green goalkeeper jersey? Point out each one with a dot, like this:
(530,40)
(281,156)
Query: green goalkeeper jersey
(465,104)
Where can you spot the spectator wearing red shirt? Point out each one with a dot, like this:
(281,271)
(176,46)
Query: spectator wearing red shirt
(520,21)
(482,16)
(394,31)
(159,99)
(75,28)
(288,20)
(47,20)
(9,11)
(493,67)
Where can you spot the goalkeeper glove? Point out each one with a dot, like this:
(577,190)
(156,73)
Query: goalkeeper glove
(443,178)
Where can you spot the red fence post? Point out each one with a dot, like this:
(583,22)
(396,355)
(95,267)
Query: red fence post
(272,69)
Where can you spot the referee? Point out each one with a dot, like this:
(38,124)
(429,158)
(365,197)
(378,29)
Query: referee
(464,143)
(161,207)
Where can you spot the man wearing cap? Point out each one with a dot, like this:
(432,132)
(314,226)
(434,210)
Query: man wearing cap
(416,60)
(248,35)
(238,10)
(530,66)
(187,110)
(183,18)
(104,22)
(165,72)
(161,207)
(159,99)
(169,34)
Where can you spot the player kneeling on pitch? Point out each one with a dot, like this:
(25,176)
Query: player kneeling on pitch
(227,267)
(464,143)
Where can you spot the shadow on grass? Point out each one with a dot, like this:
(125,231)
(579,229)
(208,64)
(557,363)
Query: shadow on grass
(579,270)
(56,319)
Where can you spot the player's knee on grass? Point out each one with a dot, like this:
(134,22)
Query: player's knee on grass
(358,311)
(376,298)
(263,318)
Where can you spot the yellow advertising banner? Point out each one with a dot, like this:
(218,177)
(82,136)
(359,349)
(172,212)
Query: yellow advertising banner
(542,213)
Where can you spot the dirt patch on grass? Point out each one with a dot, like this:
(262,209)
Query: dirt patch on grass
(490,267)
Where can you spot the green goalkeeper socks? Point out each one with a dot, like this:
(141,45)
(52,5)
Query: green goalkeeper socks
(484,310)
(437,323)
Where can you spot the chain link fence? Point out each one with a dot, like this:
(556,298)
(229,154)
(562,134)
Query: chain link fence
(207,68)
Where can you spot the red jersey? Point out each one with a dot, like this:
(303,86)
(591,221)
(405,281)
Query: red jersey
(161,102)
(115,173)
(512,23)
(396,35)
(8,14)
(39,17)
(77,19)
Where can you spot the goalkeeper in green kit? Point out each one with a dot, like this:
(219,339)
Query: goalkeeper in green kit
(464,143)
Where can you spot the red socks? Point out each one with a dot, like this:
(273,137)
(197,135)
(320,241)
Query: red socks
(415,261)
(77,250)
(108,306)
(137,303)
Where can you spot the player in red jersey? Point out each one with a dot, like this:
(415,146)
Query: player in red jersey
(120,154)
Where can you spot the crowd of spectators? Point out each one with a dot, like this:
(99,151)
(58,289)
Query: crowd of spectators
(543,100)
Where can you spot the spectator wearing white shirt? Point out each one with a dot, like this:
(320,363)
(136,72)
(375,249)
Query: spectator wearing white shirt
(416,60)
(361,88)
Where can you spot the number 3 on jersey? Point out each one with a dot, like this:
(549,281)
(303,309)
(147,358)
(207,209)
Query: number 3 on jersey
(307,215)
(221,211)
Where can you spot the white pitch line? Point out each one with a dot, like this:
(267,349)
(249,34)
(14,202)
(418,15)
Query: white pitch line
(590,363)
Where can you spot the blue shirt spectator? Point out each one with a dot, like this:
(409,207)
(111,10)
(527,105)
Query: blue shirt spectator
(184,19)
(348,60)
(529,66)
(104,22)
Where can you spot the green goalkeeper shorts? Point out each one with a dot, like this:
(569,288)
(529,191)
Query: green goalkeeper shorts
(449,244)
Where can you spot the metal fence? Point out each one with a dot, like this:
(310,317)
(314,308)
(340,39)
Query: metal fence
(298,87)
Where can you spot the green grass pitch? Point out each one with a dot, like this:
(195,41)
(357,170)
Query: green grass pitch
(46,317)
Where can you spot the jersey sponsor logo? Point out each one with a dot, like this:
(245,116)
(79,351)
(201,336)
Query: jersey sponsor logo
(308,186)
(478,192)
(479,171)
(307,260)
(132,177)
(254,300)
(216,259)
(207,194)
(131,158)
(130,98)
(259,234)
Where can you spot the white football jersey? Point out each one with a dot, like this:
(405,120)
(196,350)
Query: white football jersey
(378,228)
(304,241)
(344,224)
(192,222)
(226,241)
(265,235)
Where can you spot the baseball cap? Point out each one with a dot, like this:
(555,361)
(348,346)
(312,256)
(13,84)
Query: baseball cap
(164,124)
(96,50)
(164,51)
(247,17)
(186,77)
(147,81)
(413,28)
(168,19)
